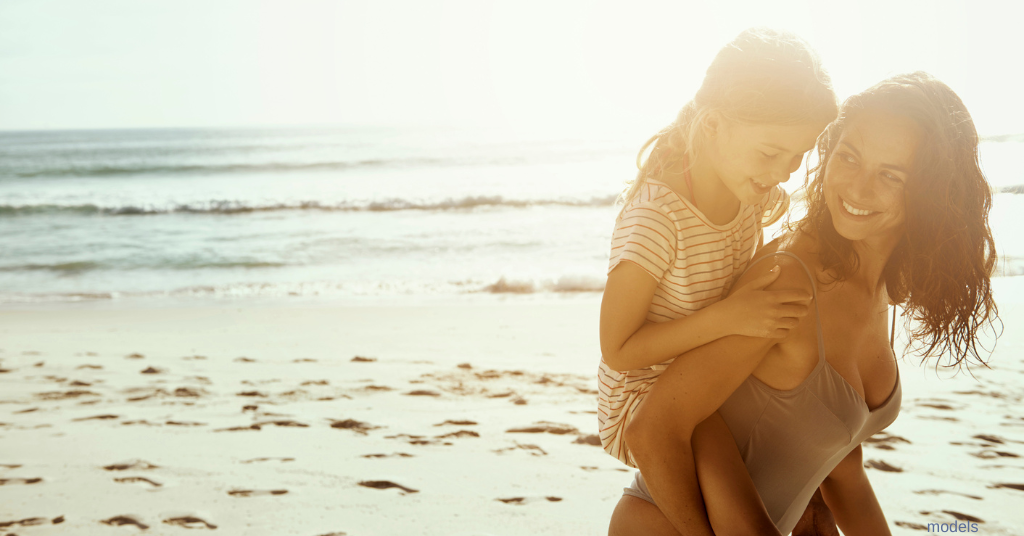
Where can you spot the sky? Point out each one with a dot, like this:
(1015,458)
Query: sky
(523,64)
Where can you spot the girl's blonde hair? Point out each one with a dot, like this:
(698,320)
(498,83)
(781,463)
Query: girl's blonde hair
(763,76)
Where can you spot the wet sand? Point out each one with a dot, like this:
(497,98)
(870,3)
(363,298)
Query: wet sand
(433,418)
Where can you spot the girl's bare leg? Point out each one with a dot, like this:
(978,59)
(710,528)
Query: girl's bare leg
(637,517)
(733,503)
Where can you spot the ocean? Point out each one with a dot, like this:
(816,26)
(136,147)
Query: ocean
(335,213)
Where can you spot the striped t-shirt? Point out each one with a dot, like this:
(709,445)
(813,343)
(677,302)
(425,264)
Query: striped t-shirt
(694,261)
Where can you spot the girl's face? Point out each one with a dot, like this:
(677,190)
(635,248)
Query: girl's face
(867,173)
(750,159)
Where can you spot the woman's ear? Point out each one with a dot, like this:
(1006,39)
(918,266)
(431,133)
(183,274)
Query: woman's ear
(711,124)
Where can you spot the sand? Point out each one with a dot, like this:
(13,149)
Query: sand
(441,417)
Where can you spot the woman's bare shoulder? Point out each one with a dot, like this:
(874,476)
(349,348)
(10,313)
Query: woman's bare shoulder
(793,276)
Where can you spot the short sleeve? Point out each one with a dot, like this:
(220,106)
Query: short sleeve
(644,235)
(776,202)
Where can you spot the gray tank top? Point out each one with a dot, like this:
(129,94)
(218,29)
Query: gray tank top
(791,440)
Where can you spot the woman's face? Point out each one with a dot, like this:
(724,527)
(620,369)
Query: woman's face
(867,173)
(750,159)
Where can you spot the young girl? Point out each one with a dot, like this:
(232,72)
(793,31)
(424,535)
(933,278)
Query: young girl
(690,224)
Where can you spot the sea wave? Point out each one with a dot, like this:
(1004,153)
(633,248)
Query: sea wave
(77,267)
(207,169)
(109,169)
(241,207)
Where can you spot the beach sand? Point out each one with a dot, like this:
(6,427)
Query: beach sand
(473,418)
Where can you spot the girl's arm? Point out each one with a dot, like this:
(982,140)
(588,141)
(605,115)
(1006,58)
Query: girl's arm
(847,492)
(687,392)
(629,342)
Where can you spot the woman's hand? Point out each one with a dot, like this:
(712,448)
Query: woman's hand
(756,312)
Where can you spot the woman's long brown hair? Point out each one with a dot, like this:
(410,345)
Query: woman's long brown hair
(941,268)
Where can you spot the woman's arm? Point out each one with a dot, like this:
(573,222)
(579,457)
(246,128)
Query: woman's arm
(847,492)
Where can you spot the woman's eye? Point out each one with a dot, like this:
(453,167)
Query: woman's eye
(846,158)
(768,156)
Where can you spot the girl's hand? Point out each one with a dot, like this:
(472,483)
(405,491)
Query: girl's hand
(754,311)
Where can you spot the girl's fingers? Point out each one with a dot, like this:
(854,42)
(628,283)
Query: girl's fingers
(793,311)
(791,296)
(763,281)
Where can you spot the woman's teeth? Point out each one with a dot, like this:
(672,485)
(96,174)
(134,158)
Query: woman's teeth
(856,212)
(759,185)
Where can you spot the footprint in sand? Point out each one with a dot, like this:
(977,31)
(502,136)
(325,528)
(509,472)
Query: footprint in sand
(256,492)
(418,439)
(185,423)
(358,427)
(422,392)
(8,481)
(31,522)
(134,356)
(314,382)
(303,360)
(459,433)
(97,418)
(190,522)
(244,360)
(592,439)
(286,423)
(885,441)
(64,395)
(1019,487)
(386,484)
(252,393)
(151,370)
(525,500)
(133,465)
(254,460)
(239,428)
(457,423)
(544,427)
(95,367)
(942,491)
(963,517)
(9,465)
(361,359)
(125,520)
(394,455)
(29,410)
(882,466)
(534,450)
(990,454)
(131,479)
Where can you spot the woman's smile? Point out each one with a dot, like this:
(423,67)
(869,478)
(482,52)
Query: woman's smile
(852,210)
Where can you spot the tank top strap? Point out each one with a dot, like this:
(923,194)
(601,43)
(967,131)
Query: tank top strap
(814,296)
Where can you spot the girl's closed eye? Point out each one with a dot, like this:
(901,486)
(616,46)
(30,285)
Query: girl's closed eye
(768,156)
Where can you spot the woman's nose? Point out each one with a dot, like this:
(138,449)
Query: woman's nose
(864,186)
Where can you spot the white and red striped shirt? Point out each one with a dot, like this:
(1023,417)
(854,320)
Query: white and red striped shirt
(695,263)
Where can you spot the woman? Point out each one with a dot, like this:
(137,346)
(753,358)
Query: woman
(897,213)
